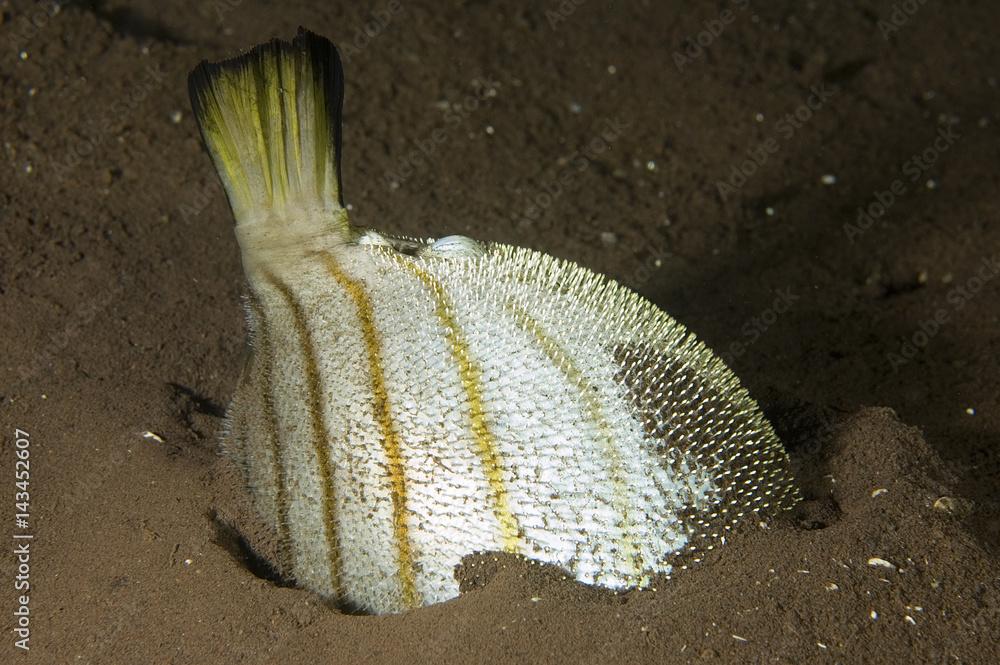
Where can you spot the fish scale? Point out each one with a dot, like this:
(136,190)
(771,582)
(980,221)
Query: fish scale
(409,402)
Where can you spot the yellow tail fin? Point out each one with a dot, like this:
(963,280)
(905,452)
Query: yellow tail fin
(271,119)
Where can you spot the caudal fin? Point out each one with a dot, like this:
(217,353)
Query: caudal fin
(271,119)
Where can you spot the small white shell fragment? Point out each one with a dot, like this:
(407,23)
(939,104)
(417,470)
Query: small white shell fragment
(454,247)
(876,561)
(874,615)
(152,436)
(740,638)
(879,492)
(830,586)
(910,620)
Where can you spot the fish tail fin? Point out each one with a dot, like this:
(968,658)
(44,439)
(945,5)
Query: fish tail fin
(271,119)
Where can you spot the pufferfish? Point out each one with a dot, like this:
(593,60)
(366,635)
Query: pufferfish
(409,402)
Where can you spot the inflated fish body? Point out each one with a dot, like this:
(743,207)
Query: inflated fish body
(410,402)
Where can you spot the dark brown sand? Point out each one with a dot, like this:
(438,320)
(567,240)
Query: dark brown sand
(120,284)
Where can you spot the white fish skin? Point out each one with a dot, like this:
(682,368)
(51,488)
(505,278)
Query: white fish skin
(409,402)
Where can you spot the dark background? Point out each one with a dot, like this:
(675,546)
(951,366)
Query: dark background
(594,131)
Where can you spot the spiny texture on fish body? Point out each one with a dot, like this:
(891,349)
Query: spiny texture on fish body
(410,402)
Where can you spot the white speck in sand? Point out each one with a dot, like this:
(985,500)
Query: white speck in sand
(876,561)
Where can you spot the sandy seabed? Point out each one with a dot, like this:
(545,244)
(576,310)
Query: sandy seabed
(811,188)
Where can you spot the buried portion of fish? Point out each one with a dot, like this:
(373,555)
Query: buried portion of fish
(408,402)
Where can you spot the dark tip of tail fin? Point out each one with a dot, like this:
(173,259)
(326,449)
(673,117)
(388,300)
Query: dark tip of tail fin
(271,119)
